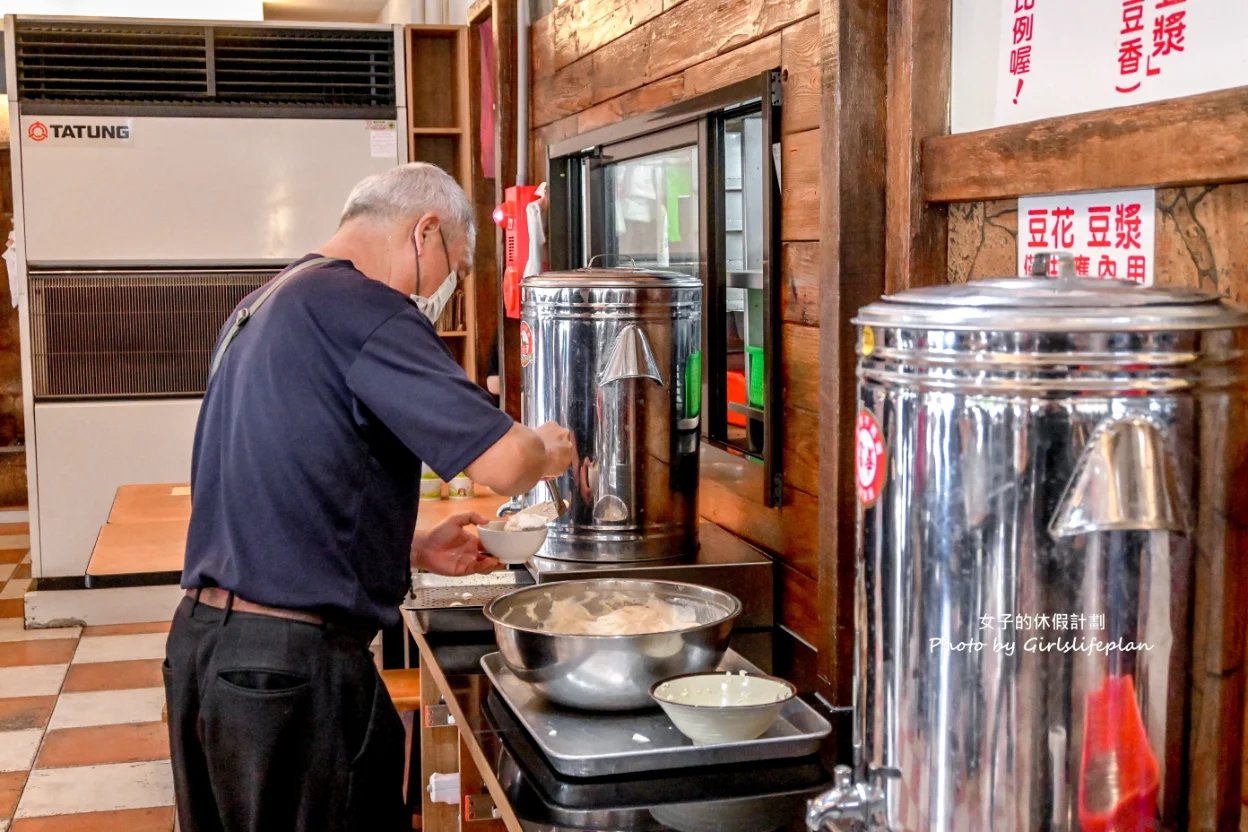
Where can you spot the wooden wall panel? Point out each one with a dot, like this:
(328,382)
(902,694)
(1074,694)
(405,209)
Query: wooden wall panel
(801,449)
(800,346)
(541,48)
(799,270)
(645,99)
(562,94)
(790,532)
(581,26)
(800,72)
(799,603)
(727,68)
(799,186)
(688,35)
(1202,239)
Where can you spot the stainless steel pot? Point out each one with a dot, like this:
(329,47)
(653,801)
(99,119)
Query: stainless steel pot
(1052,598)
(608,673)
(615,356)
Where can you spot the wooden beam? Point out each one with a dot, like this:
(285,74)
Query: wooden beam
(503,23)
(854,58)
(1196,140)
(920,33)
(480,11)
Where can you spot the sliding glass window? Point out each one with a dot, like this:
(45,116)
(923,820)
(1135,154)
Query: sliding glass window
(694,191)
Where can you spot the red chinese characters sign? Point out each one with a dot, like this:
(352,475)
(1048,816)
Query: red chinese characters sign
(1070,56)
(1111,235)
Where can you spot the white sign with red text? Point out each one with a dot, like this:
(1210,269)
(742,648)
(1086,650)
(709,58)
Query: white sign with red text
(1112,233)
(1073,56)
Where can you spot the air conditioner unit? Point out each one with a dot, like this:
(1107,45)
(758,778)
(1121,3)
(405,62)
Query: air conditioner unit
(162,171)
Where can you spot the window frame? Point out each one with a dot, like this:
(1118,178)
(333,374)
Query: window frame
(576,169)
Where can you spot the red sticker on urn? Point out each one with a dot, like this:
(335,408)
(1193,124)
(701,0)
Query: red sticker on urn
(870,458)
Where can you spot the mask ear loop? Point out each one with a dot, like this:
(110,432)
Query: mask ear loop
(416,257)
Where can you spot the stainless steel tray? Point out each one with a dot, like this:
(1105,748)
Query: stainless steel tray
(445,604)
(585,744)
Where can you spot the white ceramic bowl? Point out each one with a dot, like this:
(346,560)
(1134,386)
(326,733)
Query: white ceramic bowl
(713,708)
(510,547)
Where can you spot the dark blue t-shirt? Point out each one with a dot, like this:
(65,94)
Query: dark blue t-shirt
(306,469)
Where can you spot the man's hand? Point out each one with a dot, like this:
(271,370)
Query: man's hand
(559,450)
(447,549)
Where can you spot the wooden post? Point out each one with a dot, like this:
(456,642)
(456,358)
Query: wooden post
(919,47)
(854,55)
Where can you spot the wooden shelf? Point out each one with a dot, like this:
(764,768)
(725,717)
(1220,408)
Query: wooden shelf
(440,106)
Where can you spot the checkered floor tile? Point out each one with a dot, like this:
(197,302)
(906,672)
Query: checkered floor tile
(82,745)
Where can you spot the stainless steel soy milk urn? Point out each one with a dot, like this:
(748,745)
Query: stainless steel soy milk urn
(1051,591)
(615,356)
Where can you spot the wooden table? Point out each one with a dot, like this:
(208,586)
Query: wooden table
(138,554)
(150,503)
(433,512)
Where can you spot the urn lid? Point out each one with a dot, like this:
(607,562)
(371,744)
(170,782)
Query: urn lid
(1063,304)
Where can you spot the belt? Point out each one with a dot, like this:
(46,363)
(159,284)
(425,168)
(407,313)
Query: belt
(222,599)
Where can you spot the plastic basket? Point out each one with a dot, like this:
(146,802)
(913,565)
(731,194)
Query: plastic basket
(757,377)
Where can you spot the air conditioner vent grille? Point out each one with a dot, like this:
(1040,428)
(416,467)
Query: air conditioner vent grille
(130,335)
(110,63)
(326,67)
(221,66)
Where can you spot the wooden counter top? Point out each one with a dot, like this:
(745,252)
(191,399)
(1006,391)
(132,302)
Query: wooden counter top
(144,541)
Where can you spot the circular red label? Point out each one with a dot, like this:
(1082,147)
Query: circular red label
(526,344)
(870,458)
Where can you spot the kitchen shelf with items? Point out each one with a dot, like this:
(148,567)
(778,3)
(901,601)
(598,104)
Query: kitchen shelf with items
(441,135)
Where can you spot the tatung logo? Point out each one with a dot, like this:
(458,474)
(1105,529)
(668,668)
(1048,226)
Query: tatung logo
(93,132)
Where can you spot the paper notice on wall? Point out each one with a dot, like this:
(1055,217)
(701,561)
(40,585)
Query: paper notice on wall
(383,140)
(1111,234)
(1070,56)
(10,266)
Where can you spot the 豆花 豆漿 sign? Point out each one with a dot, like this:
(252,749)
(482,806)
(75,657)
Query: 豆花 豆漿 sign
(1111,234)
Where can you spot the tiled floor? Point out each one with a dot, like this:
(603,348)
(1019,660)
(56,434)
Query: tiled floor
(14,569)
(82,745)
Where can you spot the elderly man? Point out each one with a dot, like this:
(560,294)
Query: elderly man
(305,481)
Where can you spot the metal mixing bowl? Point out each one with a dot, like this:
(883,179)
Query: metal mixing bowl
(608,673)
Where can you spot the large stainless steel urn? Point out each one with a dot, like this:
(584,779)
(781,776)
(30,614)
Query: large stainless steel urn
(1052,599)
(615,356)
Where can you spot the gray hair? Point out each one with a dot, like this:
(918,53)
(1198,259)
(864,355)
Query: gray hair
(407,193)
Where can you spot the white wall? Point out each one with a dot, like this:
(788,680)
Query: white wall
(976,45)
(181,10)
(425,11)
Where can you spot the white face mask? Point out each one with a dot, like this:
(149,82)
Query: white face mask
(434,305)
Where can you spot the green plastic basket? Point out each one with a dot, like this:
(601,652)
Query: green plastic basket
(757,357)
(693,385)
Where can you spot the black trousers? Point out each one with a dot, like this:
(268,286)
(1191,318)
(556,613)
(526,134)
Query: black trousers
(277,725)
